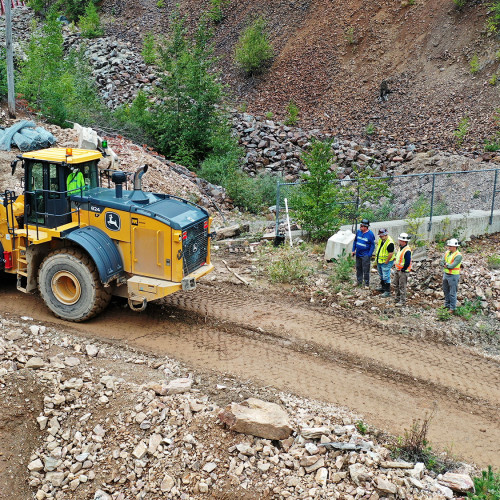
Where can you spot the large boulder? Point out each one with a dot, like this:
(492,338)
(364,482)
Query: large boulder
(258,418)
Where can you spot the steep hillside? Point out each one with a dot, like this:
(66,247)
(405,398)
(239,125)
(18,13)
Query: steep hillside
(332,56)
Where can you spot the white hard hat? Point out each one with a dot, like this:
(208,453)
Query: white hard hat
(452,243)
(404,237)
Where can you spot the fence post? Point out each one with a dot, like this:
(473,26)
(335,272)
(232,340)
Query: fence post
(429,226)
(277,208)
(493,196)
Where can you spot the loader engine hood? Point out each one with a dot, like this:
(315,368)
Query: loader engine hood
(176,212)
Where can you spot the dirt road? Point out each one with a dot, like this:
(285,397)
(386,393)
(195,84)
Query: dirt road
(277,340)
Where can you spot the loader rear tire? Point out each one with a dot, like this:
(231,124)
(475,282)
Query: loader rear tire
(70,286)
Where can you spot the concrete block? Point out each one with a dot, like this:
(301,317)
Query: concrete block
(338,244)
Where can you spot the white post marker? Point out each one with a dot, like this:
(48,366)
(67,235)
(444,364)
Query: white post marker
(288,223)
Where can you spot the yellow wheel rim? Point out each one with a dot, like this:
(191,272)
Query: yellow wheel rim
(66,287)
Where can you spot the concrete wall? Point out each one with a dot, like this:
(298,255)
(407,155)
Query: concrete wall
(475,223)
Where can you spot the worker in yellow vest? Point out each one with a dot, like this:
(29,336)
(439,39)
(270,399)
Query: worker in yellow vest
(451,262)
(75,183)
(384,259)
(403,267)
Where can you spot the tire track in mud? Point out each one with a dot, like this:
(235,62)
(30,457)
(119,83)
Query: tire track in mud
(294,348)
(443,365)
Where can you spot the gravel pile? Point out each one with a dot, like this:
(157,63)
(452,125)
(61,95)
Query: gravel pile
(117,424)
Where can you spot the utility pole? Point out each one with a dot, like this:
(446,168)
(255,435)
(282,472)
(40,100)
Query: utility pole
(11,97)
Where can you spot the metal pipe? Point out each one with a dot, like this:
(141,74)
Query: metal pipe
(429,226)
(277,208)
(138,176)
(493,196)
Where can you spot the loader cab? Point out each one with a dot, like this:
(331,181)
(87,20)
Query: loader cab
(48,176)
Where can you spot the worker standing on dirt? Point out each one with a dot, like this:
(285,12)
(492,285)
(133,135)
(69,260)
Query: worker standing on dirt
(451,262)
(384,260)
(403,267)
(362,248)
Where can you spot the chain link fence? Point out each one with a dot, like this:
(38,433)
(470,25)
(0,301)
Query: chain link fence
(414,196)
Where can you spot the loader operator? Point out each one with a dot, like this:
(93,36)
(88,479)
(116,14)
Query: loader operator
(75,182)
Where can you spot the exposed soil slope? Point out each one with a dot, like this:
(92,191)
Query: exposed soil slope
(331,57)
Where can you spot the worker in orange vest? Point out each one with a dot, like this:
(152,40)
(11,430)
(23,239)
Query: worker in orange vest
(451,262)
(403,267)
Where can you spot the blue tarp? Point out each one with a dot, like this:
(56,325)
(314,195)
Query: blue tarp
(25,136)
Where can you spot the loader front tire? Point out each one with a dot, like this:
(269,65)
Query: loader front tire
(70,286)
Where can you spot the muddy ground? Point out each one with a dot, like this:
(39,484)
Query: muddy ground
(277,338)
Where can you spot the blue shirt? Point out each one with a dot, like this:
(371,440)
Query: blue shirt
(364,243)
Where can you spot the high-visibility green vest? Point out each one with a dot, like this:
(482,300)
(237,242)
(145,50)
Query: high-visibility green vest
(449,258)
(75,182)
(382,256)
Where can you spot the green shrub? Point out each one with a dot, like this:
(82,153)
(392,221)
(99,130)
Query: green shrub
(3,73)
(493,80)
(251,193)
(462,130)
(361,427)
(370,129)
(487,487)
(289,265)
(149,49)
(459,4)
(493,21)
(89,23)
(420,209)
(313,201)
(342,269)
(492,144)
(72,9)
(494,261)
(469,308)
(474,64)
(292,114)
(216,10)
(350,36)
(443,314)
(414,447)
(253,50)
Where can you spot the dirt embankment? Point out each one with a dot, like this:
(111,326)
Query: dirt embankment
(331,58)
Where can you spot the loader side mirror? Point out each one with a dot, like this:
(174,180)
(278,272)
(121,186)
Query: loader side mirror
(13,165)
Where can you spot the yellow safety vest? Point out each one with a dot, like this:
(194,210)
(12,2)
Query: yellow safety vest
(382,256)
(449,258)
(75,182)
(400,259)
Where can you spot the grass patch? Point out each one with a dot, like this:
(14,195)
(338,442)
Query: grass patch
(413,446)
(443,314)
(494,261)
(288,265)
(343,269)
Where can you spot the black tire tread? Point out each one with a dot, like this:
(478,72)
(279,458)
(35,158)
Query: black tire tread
(103,296)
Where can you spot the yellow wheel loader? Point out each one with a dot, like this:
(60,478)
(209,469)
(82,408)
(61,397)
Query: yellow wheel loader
(79,243)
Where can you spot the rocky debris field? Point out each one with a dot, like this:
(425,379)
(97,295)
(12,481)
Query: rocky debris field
(94,420)
(277,149)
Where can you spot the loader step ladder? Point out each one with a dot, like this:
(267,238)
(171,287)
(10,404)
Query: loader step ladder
(26,237)
(22,269)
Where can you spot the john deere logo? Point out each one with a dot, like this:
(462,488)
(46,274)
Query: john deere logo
(113,222)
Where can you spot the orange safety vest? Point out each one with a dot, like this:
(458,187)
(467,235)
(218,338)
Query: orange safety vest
(449,258)
(400,259)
